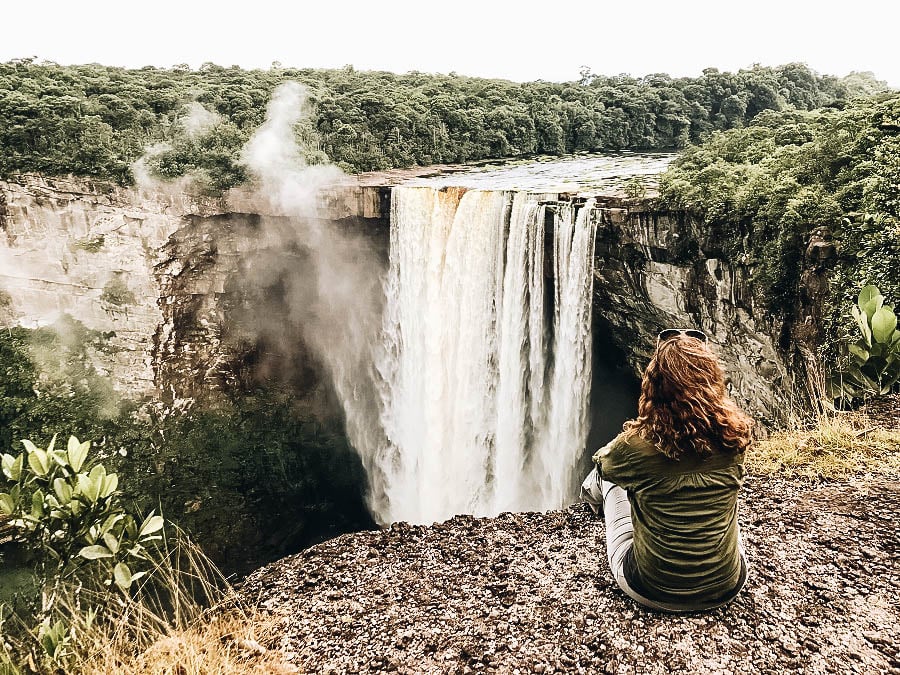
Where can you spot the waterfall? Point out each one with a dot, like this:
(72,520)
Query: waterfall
(484,374)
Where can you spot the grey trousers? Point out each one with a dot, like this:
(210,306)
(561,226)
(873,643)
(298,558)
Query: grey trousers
(619,538)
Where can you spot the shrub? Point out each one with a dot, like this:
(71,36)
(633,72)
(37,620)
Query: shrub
(870,365)
(117,595)
(65,510)
(64,514)
(635,187)
(116,292)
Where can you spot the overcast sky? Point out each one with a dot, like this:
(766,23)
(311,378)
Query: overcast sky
(492,39)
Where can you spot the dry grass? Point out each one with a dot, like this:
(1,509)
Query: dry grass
(194,625)
(218,644)
(837,446)
(186,621)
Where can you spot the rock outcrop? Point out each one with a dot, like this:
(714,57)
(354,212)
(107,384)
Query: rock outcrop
(532,593)
(151,272)
(89,250)
(656,269)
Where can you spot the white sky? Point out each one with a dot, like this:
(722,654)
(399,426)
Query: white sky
(547,40)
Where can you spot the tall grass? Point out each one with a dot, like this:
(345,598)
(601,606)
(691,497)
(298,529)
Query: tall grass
(834,445)
(184,619)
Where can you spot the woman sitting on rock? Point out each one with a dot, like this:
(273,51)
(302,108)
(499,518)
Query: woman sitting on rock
(668,484)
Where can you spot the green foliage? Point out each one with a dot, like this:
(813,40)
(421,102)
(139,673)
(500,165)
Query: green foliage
(766,188)
(251,480)
(870,365)
(94,120)
(635,187)
(117,293)
(65,515)
(66,512)
(93,245)
(48,383)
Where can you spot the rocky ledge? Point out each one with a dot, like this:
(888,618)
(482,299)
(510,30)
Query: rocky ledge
(531,592)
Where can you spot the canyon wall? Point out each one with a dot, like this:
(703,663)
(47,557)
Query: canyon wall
(89,250)
(157,274)
(151,274)
(657,269)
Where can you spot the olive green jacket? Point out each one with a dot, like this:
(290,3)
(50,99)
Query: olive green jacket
(686,541)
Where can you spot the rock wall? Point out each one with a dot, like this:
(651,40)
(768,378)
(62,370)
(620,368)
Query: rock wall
(159,280)
(88,250)
(153,272)
(657,270)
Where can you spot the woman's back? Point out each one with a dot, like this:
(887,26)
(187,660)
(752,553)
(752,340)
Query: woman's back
(670,481)
(684,514)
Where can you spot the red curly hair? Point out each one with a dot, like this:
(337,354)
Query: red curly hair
(683,407)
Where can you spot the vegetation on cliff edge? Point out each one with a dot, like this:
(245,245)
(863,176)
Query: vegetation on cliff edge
(797,190)
(250,479)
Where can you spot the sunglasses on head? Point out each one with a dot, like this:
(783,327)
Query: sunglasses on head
(670,333)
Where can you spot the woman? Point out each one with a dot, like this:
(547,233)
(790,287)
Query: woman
(668,483)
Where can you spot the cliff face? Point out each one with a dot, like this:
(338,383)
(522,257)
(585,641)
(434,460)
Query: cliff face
(158,282)
(89,250)
(158,276)
(655,270)
(155,274)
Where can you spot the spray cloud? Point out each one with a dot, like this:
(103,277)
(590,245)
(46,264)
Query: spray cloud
(198,120)
(330,278)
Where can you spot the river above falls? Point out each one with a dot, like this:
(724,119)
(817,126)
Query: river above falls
(586,175)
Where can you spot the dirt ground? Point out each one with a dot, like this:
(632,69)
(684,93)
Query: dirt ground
(532,593)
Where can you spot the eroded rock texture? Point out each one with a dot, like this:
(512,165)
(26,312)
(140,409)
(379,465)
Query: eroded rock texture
(89,250)
(657,270)
(158,275)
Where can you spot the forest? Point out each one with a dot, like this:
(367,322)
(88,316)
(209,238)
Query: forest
(769,185)
(95,120)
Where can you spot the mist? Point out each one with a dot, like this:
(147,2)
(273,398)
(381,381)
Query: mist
(198,120)
(327,278)
(195,122)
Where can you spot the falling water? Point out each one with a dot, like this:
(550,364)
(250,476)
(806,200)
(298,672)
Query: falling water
(485,376)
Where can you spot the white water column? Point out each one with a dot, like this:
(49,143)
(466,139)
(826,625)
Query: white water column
(485,383)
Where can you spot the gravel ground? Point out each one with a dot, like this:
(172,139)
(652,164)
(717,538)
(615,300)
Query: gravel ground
(532,593)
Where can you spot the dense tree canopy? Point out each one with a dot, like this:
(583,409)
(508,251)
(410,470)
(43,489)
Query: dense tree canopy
(96,120)
(767,187)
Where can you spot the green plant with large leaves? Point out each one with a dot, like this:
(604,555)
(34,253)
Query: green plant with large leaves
(66,511)
(870,365)
(63,510)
